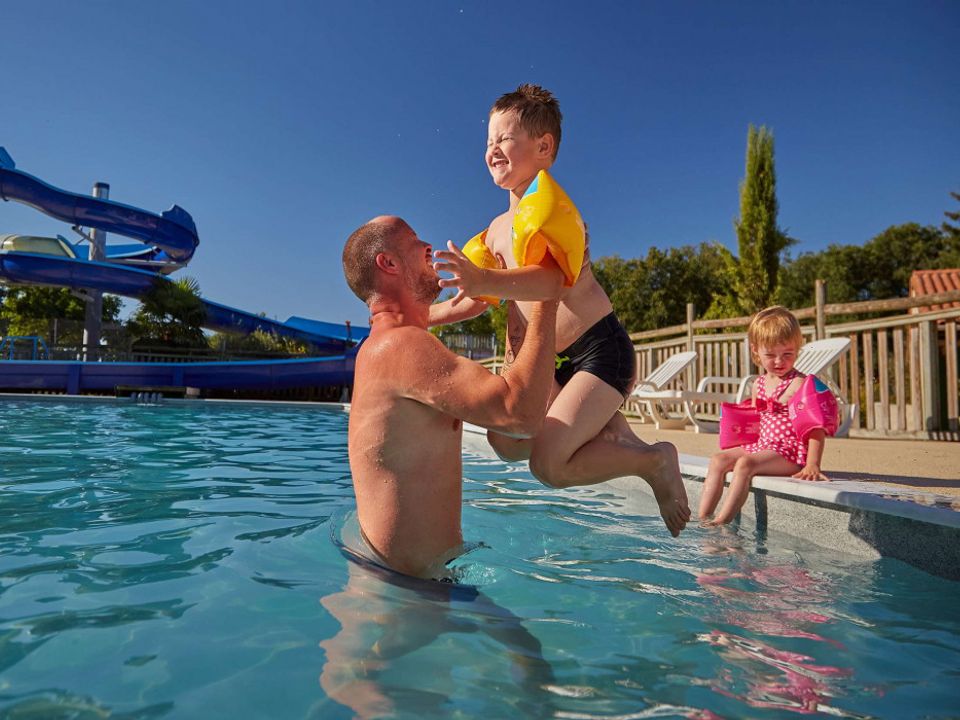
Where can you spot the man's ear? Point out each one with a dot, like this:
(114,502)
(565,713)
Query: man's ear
(387,263)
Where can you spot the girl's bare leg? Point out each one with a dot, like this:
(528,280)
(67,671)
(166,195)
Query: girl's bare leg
(765,462)
(720,464)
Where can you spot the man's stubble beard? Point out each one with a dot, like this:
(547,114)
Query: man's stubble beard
(426,288)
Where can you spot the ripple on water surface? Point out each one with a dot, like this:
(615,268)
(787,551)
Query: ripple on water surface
(175,561)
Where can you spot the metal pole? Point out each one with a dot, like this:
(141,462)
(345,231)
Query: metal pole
(93,319)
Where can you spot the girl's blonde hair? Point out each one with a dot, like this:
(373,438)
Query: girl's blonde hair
(773,326)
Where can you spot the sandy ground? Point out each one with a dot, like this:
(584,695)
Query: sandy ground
(930,465)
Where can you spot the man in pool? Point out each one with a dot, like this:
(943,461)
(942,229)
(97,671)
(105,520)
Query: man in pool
(411,396)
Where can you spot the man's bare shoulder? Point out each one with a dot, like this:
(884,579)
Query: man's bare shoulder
(408,352)
(388,341)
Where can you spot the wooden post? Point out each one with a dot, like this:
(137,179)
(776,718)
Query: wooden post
(916,384)
(950,379)
(869,378)
(691,316)
(883,378)
(820,293)
(854,393)
(820,331)
(930,375)
(900,378)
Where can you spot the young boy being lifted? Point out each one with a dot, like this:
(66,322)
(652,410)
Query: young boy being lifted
(584,440)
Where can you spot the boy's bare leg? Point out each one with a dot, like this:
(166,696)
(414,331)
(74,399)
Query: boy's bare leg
(509,449)
(514,449)
(720,464)
(765,462)
(573,449)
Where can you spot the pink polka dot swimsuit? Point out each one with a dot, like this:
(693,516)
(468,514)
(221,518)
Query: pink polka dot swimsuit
(776,430)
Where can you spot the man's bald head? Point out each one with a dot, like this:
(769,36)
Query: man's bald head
(361,250)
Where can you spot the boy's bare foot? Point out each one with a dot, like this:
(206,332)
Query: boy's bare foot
(667,484)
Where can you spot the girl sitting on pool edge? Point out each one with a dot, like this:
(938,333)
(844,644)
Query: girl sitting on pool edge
(775,338)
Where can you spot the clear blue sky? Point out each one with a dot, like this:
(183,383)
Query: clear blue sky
(282,126)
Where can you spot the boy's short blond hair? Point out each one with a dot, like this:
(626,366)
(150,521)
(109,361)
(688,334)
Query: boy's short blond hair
(773,326)
(537,110)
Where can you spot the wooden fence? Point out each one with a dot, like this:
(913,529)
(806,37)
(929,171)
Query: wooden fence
(901,370)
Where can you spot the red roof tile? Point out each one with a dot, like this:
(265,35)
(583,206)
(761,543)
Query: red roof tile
(931,282)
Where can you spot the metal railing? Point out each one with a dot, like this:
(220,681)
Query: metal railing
(146,354)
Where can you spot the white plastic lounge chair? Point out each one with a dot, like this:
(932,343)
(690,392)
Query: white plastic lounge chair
(814,358)
(650,394)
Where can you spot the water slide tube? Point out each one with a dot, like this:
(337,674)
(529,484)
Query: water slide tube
(173,231)
(26,268)
(171,241)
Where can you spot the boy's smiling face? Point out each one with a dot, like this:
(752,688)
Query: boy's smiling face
(513,156)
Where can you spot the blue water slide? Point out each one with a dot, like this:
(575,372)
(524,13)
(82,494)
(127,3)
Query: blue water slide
(173,231)
(169,241)
(131,270)
(40,269)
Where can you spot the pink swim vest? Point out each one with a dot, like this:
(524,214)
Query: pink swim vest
(812,406)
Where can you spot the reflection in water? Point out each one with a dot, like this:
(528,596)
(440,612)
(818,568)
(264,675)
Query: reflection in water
(793,684)
(373,667)
(779,600)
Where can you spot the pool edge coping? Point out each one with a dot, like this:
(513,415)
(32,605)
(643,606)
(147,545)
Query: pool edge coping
(849,495)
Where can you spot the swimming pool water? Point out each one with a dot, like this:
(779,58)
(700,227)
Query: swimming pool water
(176,562)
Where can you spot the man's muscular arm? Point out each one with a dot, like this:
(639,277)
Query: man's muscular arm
(446,312)
(515,404)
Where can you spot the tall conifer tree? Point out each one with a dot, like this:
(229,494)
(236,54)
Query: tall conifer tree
(760,241)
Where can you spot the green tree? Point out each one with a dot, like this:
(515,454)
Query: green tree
(878,270)
(654,291)
(31,311)
(760,242)
(841,266)
(895,253)
(258,342)
(950,258)
(955,216)
(491,321)
(170,314)
(625,282)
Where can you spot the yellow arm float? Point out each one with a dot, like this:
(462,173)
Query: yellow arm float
(548,221)
(479,254)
